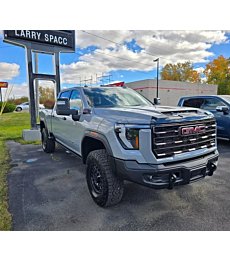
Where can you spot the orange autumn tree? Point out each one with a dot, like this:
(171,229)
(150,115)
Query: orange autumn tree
(180,72)
(218,72)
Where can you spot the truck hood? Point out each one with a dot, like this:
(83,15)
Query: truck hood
(146,115)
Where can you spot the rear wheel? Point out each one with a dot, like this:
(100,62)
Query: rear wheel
(104,186)
(48,144)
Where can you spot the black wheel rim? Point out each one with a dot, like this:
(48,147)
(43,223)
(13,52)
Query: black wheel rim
(96,181)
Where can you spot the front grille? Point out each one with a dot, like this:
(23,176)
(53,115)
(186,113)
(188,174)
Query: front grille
(168,139)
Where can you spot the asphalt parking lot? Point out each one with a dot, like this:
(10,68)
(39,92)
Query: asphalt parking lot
(49,192)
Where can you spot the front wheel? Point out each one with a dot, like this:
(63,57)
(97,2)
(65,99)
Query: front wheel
(48,144)
(18,109)
(104,186)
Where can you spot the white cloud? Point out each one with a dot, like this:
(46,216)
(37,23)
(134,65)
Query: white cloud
(180,46)
(8,71)
(200,69)
(170,46)
(103,61)
(85,39)
(46,84)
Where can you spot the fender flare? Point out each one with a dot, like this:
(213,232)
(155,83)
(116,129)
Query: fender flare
(100,137)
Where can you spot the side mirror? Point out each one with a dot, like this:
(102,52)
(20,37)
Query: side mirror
(156,101)
(63,107)
(223,109)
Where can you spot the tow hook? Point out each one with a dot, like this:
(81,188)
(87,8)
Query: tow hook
(172,180)
(212,168)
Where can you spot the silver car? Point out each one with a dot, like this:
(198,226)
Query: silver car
(25,106)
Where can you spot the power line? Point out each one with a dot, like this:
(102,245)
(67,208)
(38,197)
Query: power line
(122,58)
(101,37)
(120,44)
(122,65)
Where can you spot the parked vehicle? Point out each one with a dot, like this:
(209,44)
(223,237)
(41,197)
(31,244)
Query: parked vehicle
(219,105)
(120,136)
(25,106)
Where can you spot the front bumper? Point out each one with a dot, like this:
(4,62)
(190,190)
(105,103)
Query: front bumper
(159,176)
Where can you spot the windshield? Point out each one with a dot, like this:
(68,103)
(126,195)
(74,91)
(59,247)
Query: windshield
(115,97)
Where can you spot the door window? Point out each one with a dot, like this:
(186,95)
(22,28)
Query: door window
(211,103)
(193,102)
(75,100)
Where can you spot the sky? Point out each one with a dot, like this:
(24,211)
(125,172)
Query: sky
(118,55)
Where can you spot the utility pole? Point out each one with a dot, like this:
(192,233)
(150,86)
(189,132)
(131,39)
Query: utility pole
(157,60)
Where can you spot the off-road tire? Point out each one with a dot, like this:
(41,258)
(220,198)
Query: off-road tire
(110,188)
(48,144)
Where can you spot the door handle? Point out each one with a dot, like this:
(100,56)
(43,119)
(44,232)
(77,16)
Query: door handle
(64,118)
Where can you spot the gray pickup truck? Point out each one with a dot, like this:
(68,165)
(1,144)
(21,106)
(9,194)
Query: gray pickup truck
(120,136)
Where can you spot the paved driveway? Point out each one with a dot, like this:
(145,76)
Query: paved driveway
(49,192)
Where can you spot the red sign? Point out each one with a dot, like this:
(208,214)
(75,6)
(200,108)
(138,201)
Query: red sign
(116,84)
(3,84)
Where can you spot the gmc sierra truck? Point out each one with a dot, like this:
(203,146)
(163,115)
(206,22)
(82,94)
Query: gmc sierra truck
(120,136)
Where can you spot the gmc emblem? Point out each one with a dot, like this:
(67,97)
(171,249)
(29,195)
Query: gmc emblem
(192,130)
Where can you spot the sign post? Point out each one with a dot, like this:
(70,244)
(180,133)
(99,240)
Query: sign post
(41,41)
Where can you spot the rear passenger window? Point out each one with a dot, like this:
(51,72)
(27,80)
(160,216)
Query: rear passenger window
(193,102)
(212,103)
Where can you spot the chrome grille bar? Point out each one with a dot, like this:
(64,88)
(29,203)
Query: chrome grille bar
(168,139)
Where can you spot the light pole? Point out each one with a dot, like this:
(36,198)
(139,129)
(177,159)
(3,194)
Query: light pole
(157,60)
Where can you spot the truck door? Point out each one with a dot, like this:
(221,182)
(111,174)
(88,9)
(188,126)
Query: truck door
(58,121)
(222,120)
(74,130)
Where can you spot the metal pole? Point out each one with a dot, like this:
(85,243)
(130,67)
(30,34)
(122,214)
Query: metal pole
(157,77)
(157,60)
(57,74)
(1,94)
(36,84)
(33,121)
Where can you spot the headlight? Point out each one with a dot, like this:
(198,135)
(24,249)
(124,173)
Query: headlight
(128,135)
(132,135)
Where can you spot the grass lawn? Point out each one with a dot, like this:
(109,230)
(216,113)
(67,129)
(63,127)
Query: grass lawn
(11,126)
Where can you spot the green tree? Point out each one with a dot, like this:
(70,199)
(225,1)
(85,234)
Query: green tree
(46,96)
(218,72)
(180,72)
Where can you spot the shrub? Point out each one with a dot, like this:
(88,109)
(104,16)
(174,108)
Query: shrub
(18,101)
(224,88)
(8,108)
(49,103)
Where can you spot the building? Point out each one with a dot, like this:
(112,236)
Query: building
(171,91)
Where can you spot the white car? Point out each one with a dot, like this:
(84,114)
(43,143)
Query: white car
(25,106)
